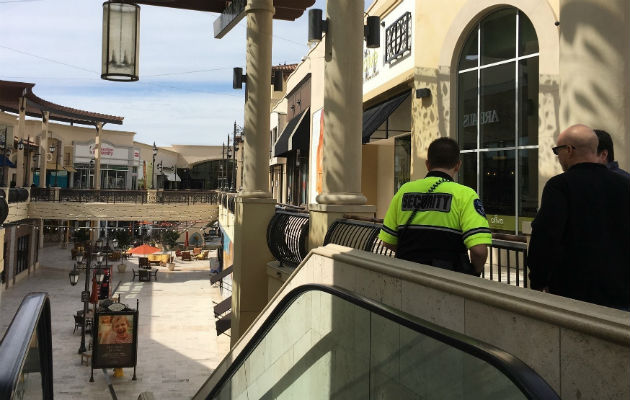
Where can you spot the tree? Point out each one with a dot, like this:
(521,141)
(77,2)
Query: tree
(169,238)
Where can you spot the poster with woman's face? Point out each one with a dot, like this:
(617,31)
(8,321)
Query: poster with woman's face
(115,340)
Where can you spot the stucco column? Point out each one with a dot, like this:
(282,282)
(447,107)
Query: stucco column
(97,156)
(43,158)
(20,167)
(594,69)
(343,121)
(343,104)
(254,206)
(41,233)
(256,129)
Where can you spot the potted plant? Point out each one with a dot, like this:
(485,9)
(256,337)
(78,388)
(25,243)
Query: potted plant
(169,241)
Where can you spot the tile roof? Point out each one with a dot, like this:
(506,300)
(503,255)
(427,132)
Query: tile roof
(10,93)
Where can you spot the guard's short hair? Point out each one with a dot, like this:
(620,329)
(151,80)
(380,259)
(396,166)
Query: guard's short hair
(605,143)
(443,153)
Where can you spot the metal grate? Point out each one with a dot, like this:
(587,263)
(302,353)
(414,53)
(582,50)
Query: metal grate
(358,234)
(287,235)
(398,39)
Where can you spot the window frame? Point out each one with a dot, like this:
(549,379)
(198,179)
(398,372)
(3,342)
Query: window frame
(518,108)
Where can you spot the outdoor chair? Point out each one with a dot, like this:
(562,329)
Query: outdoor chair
(196,251)
(203,255)
(78,322)
(186,256)
(143,262)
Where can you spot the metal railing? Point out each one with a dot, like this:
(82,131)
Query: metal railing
(228,200)
(103,196)
(17,195)
(508,253)
(187,197)
(287,236)
(511,260)
(42,194)
(26,365)
(358,233)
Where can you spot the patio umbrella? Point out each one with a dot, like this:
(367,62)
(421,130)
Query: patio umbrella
(144,249)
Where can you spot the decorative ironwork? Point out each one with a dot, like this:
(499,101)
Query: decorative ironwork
(513,271)
(358,234)
(42,194)
(187,197)
(287,236)
(398,39)
(103,196)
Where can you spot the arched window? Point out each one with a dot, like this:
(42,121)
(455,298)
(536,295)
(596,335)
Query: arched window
(497,109)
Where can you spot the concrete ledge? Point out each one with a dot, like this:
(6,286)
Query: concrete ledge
(122,211)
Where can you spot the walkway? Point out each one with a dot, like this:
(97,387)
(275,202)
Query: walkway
(178,347)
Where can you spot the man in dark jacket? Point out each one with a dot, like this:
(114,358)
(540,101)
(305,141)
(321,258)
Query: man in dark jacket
(580,243)
(606,153)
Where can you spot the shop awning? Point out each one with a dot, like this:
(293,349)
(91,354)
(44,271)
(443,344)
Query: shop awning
(70,169)
(295,135)
(173,177)
(375,116)
(5,162)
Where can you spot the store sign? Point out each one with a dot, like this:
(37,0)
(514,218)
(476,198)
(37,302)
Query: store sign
(487,117)
(371,65)
(108,152)
(115,339)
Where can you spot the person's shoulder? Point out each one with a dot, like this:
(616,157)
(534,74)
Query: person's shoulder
(461,189)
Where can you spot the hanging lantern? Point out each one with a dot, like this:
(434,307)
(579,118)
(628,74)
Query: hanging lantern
(100,276)
(74,276)
(121,31)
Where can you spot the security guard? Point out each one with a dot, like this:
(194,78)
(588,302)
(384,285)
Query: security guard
(435,220)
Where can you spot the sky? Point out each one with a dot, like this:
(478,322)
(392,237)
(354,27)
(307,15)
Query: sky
(184,95)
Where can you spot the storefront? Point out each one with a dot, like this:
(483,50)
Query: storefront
(119,166)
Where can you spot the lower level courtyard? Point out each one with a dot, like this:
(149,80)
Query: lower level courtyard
(178,346)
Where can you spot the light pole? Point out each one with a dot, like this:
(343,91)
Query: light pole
(155,151)
(85,295)
(5,161)
(27,161)
(87,183)
(161,169)
(52,148)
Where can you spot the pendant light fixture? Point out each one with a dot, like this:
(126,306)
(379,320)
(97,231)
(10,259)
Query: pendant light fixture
(121,38)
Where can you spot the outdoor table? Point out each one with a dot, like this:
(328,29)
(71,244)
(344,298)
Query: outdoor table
(144,275)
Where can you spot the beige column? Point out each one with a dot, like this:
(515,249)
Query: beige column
(254,205)
(256,129)
(43,151)
(594,72)
(343,104)
(343,120)
(20,166)
(97,156)
(41,233)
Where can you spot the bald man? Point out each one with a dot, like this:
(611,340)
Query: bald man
(580,243)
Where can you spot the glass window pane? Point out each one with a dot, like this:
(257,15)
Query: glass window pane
(528,182)
(469,56)
(497,188)
(402,161)
(467,110)
(528,42)
(468,171)
(528,95)
(498,37)
(496,118)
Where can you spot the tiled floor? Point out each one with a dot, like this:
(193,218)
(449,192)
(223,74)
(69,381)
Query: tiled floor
(178,347)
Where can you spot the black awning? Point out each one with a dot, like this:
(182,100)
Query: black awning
(295,135)
(375,116)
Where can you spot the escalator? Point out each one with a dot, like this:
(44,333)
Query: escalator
(26,369)
(321,342)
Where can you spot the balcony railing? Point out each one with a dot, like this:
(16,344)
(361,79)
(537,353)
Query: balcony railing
(124,196)
(188,197)
(287,236)
(228,200)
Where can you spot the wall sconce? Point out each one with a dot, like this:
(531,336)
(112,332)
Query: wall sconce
(372,32)
(317,25)
(423,93)
(238,78)
(121,40)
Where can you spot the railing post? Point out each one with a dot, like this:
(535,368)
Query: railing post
(56,191)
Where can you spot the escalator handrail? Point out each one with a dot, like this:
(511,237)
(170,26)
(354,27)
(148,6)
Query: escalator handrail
(33,316)
(532,385)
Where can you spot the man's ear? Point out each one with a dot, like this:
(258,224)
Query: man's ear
(458,166)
